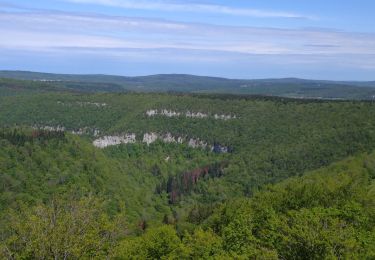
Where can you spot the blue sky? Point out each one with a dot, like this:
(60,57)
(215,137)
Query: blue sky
(318,39)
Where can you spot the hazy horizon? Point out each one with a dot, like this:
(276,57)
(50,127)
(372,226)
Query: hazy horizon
(182,74)
(238,40)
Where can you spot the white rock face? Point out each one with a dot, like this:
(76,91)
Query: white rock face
(224,117)
(96,132)
(79,131)
(168,138)
(97,104)
(180,140)
(85,131)
(150,138)
(151,112)
(82,104)
(195,115)
(163,112)
(114,140)
(170,113)
(51,128)
(188,114)
(196,143)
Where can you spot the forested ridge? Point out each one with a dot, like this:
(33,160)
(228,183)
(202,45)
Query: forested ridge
(295,180)
(80,211)
(181,83)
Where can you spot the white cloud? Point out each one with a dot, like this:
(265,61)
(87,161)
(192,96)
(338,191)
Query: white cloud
(59,29)
(192,7)
(76,39)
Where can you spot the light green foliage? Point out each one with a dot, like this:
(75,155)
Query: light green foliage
(325,214)
(156,243)
(201,245)
(61,230)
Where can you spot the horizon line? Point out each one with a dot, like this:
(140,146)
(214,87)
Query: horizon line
(180,74)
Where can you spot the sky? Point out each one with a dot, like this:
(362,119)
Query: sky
(314,39)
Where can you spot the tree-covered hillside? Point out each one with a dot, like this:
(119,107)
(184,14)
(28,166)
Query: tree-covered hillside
(183,176)
(270,138)
(37,165)
(325,214)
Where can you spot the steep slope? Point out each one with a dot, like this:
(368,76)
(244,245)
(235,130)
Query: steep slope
(58,194)
(326,214)
(38,165)
(270,138)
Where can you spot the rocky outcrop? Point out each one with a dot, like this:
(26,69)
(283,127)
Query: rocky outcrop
(79,131)
(51,128)
(169,138)
(96,104)
(163,112)
(169,113)
(86,131)
(151,112)
(106,141)
(96,132)
(150,138)
(188,114)
(224,117)
(82,104)
(196,143)
(195,115)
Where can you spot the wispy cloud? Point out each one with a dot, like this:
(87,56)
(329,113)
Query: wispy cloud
(76,38)
(192,7)
(62,29)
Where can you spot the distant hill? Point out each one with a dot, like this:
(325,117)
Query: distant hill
(286,87)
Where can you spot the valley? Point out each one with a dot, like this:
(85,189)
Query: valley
(187,168)
(187,130)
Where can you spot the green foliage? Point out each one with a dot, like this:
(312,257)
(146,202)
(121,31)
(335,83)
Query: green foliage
(323,215)
(201,245)
(228,206)
(60,230)
(37,165)
(272,138)
(326,214)
(156,243)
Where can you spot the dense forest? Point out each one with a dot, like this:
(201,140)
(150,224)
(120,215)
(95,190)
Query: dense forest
(183,176)
(81,209)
